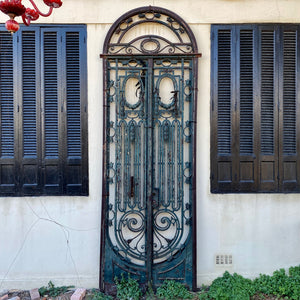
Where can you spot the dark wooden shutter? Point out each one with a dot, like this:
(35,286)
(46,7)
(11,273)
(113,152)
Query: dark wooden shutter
(245,154)
(52,162)
(222,82)
(76,113)
(268,111)
(29,112)
(65,138)
(289,159)
(255,108)
(234,166)
(43,116)
(8,176)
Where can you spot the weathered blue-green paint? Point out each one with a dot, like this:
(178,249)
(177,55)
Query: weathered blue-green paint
(149,192)
(149,170)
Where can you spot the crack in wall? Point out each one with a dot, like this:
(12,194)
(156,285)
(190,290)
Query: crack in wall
(66,232)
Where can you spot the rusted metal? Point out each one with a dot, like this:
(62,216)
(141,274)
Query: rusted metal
(140,58)
(190,55)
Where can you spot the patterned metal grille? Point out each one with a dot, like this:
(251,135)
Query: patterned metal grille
(150,70)
(166,131)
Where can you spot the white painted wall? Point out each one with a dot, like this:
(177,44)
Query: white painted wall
(58,238)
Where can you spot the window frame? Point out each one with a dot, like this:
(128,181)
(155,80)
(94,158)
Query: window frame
(69,173)
(285,166)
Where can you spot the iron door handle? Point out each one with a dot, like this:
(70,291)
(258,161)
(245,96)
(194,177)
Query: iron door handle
(155,197)
(131,187)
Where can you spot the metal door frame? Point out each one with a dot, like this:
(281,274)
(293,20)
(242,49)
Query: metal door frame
(112,49)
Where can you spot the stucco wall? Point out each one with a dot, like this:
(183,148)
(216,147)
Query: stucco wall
(58,238)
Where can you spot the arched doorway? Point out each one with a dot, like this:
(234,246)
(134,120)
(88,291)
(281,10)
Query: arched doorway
(148,220)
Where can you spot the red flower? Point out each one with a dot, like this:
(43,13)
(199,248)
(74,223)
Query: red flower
(13,8)
(12,25)
(53,3)
(30,15)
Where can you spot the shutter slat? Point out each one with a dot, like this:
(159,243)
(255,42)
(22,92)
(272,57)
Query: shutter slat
(224,92)
(29,94)
(51,94)
(7,95)
(267,92)
(289,92)
(246,92)
(73,94)
(30,177)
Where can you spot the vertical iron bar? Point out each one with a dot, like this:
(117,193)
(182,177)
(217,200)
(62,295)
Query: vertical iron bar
(193,107)
(149,208)
(105,187)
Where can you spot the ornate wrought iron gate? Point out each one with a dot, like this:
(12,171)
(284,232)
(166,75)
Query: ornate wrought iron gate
(149,186)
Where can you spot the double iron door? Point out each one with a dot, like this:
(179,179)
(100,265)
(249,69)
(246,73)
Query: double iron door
(148,230)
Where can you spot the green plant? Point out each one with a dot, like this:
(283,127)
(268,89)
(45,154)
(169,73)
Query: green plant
(235,287)
(97,295)
(229,287)
(127,289)
(171,290)
(53,291)
(280,283)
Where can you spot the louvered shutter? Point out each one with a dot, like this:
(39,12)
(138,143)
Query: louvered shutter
(8,174)
(255,108)
(64,101)
(43,116)
(51,82)
(76,111)
(234,166)
(246,162)
(29,153)
(222,81)
(268,109)
(289,139)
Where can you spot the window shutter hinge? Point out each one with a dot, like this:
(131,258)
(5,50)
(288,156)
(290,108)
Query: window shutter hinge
(17,39)
(212,105)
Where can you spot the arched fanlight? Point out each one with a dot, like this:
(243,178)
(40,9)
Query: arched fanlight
(15,8)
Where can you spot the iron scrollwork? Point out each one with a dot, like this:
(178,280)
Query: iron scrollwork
(149,92)
(150,44)
(129,136)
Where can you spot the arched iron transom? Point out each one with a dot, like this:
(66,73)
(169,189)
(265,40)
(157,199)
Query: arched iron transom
(150,67)
(169,34)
